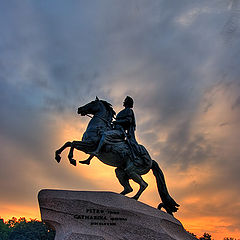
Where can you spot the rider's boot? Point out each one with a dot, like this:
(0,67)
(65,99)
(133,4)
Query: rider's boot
(100,145)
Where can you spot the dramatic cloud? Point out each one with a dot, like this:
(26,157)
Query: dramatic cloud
(179,60)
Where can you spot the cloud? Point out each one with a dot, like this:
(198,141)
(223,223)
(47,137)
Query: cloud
(177,59)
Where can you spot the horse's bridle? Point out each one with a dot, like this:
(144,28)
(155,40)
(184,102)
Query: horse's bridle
(107,122)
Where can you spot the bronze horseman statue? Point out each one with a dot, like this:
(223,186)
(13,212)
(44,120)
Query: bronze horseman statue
(114,143)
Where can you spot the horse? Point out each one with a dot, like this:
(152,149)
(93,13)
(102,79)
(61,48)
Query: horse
(116,154)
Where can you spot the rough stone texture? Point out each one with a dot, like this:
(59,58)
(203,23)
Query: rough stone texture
(86,215)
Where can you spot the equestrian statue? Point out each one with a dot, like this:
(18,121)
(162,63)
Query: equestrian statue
(114,143)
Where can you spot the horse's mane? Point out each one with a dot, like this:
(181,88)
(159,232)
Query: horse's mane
(109,108)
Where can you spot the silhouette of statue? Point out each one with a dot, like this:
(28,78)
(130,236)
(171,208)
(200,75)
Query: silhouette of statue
(123,128)
(114,143)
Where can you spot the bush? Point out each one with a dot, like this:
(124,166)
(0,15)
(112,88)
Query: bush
(22,229)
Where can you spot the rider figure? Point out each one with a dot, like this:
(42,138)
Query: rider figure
(124,128)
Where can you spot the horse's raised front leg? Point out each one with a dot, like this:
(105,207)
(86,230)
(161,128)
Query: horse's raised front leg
(70,156)
(81,146)
(59,151)
(87,161)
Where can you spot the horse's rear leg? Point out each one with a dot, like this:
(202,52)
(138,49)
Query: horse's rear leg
(124,180)
(59,151)
(138,179)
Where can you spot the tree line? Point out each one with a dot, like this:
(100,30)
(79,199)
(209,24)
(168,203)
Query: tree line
(207,236)
(22,229)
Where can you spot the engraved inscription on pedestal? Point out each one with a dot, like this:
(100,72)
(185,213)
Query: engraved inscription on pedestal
(101,217)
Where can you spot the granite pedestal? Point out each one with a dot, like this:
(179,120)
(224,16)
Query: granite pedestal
(88,215)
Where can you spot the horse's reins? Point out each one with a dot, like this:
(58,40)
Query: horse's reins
(108,123)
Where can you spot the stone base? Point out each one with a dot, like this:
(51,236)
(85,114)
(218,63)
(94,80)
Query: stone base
(82,215)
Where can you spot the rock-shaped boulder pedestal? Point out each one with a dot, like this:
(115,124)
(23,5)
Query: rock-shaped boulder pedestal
(87,215)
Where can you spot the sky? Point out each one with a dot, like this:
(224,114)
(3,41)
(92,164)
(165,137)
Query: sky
(178,60)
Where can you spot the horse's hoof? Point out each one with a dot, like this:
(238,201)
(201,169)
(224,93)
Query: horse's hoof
(126,191)
(85,162)
(135,197)
(73,162)
(57,158)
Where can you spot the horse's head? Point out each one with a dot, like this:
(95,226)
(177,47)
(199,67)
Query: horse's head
(97,106)
(90,108)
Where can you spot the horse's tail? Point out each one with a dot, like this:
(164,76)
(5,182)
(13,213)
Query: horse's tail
(167,201)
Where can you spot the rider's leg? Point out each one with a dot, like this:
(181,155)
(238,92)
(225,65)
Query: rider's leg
(100,145)
(123,178)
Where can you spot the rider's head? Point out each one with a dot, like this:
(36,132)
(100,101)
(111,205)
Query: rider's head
(128,102)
